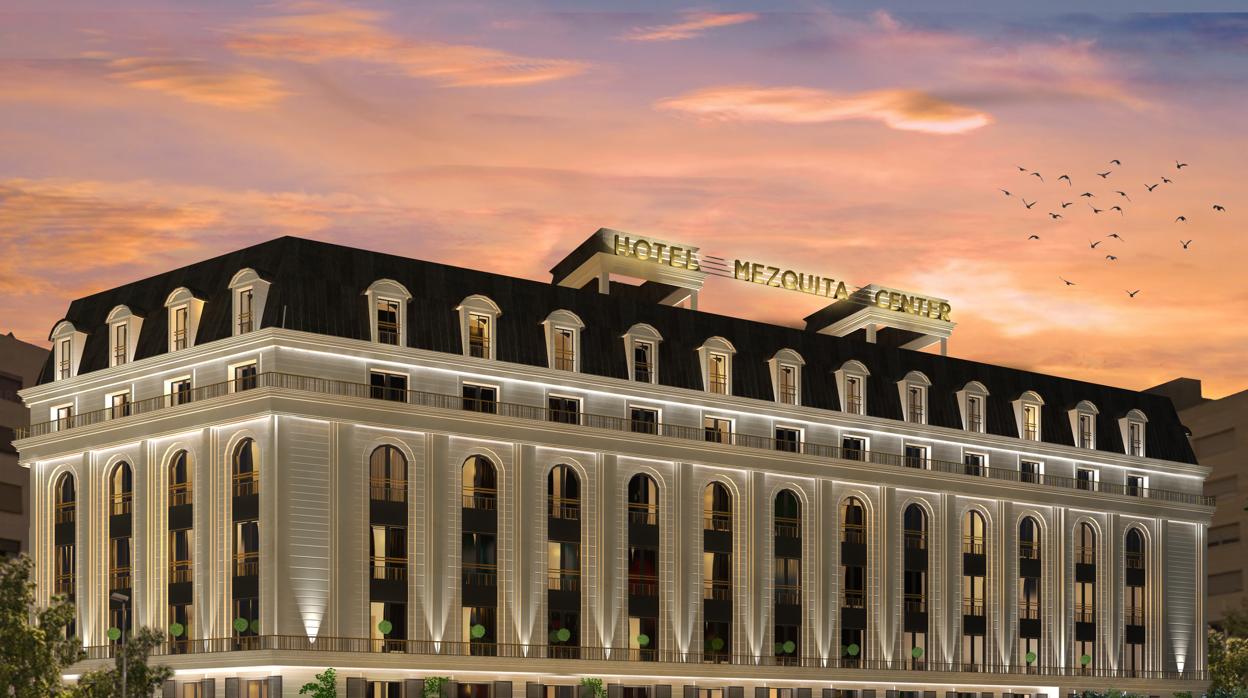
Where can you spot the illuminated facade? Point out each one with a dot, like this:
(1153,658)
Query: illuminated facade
(299,456)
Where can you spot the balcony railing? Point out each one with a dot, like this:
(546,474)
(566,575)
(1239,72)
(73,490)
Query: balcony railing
(853,599)
(787,527)
(384,489)
(643,585)
(973,607)
(246,564)
(1085,556)
(179,571)
(1133,616)
(717,521)
(564,508)
(645,514)
(119,578)
(480,498)
(1134,561)
(563,580)
(915,540)
(1029,610)
(1085,614)
(246,483)
(1028,550)
(915,603)
(365,645)
(179,494)
(325,386)
(972,545)
(716,590)
(64,584)
(853,533)
(479,574)
(121,503)
(65,512)
(390,569)
(788,595)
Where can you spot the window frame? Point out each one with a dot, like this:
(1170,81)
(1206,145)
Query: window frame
(576,416)
(54,415)
(246,280)
(864,452)
(111,406)
(407,382)
(1038,475)
(498,395)
(232,373)
(1094,480)
(1029,399)
(926,462)
(856,371)
(189,379)
(719,419)
(983,464)
(658,418)
(479,306)
(797,445)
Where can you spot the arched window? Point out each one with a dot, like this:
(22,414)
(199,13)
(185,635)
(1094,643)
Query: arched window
(716,508)
(1028,539)
(853,581)
(914,524)
(974,591)
(563,492)
(480,484)
(787,631)
(788,516)
(853,521)
(66,498)
(1029,571)
(180,479)
(643,500)
(1133,603)
(246,467)
(1085,596)
(914,586)
(120,489)
(1085,544)
(1134,546)
(643,568)
(387,472)
(66,508)
(973,533)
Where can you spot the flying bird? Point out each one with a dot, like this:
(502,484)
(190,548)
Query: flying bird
(1123,194)
(1037,174)
(1095,209)
(1021,169)
(1219,208)
(1093,244)
(1181,219)
(1115,162)
(1028,205)
(1068,283)
(1110,257)
(1006,193)
(1132,293)
(1067,203)
(1088,194)
(1117,237)
(1166,181)
(1185,244)
(1054,216)
(1104,175)
(1151,187)
(1033,237)
(1116,208)
(1065,177)
(1179,165)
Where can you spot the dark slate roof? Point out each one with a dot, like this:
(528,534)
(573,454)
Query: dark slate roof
(317,287)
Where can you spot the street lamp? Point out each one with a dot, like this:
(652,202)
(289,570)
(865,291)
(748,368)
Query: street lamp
(125,612)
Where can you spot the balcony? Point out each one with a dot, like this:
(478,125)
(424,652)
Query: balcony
(179,494)
(716,590)
(65,513)
(915,603)
(972,545)
(852,598)
(643,514)
(323,386)
(121,504)
(479,574)
(788,527)
(1029,610)
(483,498)
(246,484)
(179,571)
(720,521)
(247,564)
(384,489)
(915,540)
(563,508)
(389,569)
(119,578)
(64,584)
(563,580)
(643,585)
(788,595)
(973,607)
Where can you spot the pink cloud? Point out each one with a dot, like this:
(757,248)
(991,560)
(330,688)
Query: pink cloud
(198,81)
(694,25)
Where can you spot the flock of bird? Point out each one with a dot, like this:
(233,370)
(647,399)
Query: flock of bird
(1117,197)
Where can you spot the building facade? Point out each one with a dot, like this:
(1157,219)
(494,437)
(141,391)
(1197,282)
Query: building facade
(299,455)
(1219,434)
(20,364)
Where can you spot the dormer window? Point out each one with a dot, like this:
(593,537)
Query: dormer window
(716,358)
(1027,412)
(66,350)
(1083,424)
(64,359)
(786,376)
(387,303)
(388,321)
(1132,426)
(181,325)
(851,383)
(478,325)
(972,398)
(121,343)
(641,350)
(184,312)
(914,396)
(250,293)
(563,334)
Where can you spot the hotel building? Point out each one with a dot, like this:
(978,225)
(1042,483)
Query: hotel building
(300,455)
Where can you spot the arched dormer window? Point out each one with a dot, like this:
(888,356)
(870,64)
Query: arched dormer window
(786,376)
(478,321)
(641,350)
(66,349)
(1027,415)
(184,309)
(123,334)
(249,293)
(715,355)
(972,399)
(913,389)
(851,384)
(563,340)
(387,307)
(1083,424)
(1132,426)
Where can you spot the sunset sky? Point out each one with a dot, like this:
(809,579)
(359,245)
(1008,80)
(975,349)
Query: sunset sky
(859,143)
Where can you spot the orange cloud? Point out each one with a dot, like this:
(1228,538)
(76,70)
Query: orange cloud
(197,81)
(320,33)
(694,25)
(905,110)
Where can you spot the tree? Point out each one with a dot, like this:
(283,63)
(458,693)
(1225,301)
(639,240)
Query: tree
(1228,664)
(33,655)
(141,680)
(325,685)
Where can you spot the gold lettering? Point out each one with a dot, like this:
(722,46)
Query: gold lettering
(944,312)
(691,261)
(741,270)
(674,256)
(809,282)
(621,245)
(658,251)
(771,280)
(789,280)
(756,271)
(637,249)
(842,293)
(881,299)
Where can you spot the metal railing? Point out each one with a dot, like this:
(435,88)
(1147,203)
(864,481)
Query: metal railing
(787,527)
(564,508)
(179,494)
(1134,561)
(717,521)
(642,585)
(645,514)
(179,571)
(973,607)
(915,540)
(1029,610)
(915,603)
(788,394)
(565,359)
(64,584)
(563,580)
(853,533)
(1085,614)
(478,346)
(384,489)
(246,483)
(788,595)
(480,498)
(853,599)
(390,569)
(479,574)
(119,578)
(1085,556)
(1133,615)
(716,590)
(973,545)
(121,503)
(1028,550)
(365,645)
(326,386)
(66,512)
(246,564)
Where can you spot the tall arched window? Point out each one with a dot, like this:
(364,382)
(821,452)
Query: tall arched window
(787,632)
(974,591)
(643,567)
(563,561)
(853,581)
(246,467)
(480,484)
(717,572)
(1085,597)
(180,479)
(1029,571)
(387,475)
(1133,602)
(914,586)
(120,545)
(479,555)
(245,508)
(64,535)
(181,575)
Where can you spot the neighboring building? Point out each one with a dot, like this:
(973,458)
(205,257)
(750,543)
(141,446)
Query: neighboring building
(301,455)
(20,364)
(1219,430)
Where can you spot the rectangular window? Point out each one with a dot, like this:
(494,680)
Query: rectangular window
(9,385)
(1085,431)
(853,448)
(120,343)
(787,376)
(387,321)
(63,416)
(181,317)
(853,395)
(1135,439)
(565,410)
(246,377)
(180,556)
(480,398)
(246,548)
(916,457)
(717,430)
(1136,485)
(179,391)
(119,405)
(915,403)
(384,385)
(788,439)
(244,311)
(119,555)
(643,420)
(563,566)
(974,414)
(565,349)
(66,352)
(643,362)
(717,373)
(1031,422)
(479,336)
(1085,478)
(1225,534)
(1029,471)
(388,553)
(973,463)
